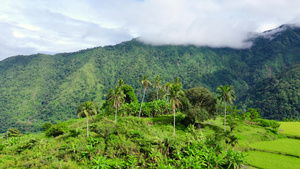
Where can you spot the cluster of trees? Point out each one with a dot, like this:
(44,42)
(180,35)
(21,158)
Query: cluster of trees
(123,93)
(198,103)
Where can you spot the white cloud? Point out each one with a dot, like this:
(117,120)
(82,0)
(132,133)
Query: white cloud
(32,26)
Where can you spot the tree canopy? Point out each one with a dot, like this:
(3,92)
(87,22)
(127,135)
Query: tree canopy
(201,104)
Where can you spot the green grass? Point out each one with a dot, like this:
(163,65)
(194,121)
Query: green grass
(130,136)
(272,161)
(290,128)
(246,133)
(283,146)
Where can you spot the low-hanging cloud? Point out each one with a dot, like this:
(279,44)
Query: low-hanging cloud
(33,26)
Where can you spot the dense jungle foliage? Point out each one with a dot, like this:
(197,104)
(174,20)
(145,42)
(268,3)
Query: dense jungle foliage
(39,88)
(278,97)
(135,143)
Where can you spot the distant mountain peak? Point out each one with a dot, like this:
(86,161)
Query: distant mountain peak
(270,34)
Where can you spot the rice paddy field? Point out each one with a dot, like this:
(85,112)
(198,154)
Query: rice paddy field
(280,153)
(290,128)
(272,161)
(281,146)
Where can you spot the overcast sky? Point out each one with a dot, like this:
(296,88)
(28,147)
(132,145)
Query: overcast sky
(54,26)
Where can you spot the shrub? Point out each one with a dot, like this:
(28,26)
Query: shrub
(130,95)
(74,132)
(2,147)
(27,145)
(46,126)
(13,132)
(253,113)
(274,124)
(57,129)
(267,123)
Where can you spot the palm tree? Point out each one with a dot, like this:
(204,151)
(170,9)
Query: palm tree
(118,97)
(157,85)
(174,95)
(177,82)
(145,83)
(87,109)
(225,94)
(168,86)
(121,83)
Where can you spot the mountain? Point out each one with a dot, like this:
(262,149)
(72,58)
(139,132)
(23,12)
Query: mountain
(277,97)
(40,88)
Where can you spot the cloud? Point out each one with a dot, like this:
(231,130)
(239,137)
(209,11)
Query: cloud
(215,23)
(34,26)
(28,30)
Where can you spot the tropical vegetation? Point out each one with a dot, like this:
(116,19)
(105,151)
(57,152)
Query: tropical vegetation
(40,88)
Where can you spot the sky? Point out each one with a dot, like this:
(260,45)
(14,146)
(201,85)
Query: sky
(57,26)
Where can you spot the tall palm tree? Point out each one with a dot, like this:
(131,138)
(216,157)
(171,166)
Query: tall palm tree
(87,109)
(118,96)
(174,95)
(145,83)
(168,86)
(157,85)
(225,94)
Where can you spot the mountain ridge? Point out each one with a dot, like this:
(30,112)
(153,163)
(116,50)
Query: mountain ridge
(29,97)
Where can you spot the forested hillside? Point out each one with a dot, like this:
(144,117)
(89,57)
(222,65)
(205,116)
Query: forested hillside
(278,97)
(40,88)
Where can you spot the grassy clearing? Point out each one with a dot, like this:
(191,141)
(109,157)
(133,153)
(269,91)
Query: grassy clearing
(271,161)
(290,128)
(284,146)
(246,133)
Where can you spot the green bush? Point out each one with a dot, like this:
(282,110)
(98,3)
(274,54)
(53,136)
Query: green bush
(274,124)
(130,95)
(57,129)
(2,147)
(46,126)
(27,145)
(267,123)
(74,132)
(13,132)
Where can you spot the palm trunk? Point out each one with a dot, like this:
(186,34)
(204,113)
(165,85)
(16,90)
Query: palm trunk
(167,94)
(156,93)
(87,126)
(174,122)
(225,119)
(142,103)
(116,115)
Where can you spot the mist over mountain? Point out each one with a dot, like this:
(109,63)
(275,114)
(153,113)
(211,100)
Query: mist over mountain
(34,26)
(40,88)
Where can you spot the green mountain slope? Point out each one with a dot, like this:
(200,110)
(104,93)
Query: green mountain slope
(40,88)
(278,97)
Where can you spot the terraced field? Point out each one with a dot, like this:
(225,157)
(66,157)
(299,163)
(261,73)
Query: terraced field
(281,153)
(272,161)
(281,146)
(290,128)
